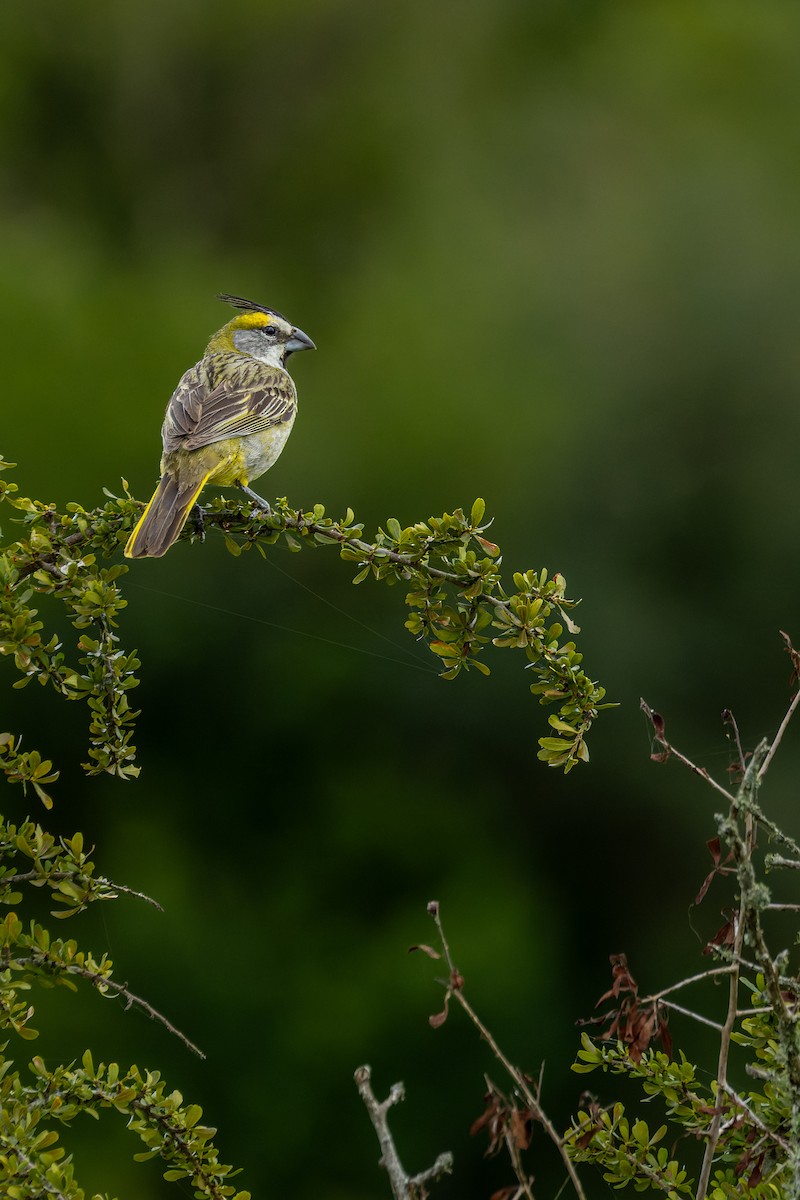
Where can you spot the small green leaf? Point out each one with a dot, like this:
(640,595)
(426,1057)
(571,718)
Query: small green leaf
(557,745)
(641,1133)
(445,649)
(560,726)
(42,794)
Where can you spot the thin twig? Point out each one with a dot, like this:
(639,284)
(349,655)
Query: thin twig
(687,1012)
(741,1103)
(402,560)
(698,978)
(57,876)
(730,719)
(658,732)
(779,735)
(722,1063)
(660,997)
(701,771)
(455,989)
(404,1186)
(748,788)
(103,983)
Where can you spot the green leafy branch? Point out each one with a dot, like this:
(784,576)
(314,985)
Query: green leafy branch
(57,556)
(458,606)
(29,954)
(26,767)
(627,1153)
(28,854)
(448,568)
(33,1163)
(455,591)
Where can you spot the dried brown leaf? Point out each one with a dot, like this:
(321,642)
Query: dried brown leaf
(725,936)
(719,867)
(520,1126)
(655,719)
(486,1117)
(438,1019)
(795,657)
(429,950)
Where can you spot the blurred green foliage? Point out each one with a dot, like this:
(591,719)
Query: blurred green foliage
(549,252)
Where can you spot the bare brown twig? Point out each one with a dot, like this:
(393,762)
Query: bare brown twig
(657,722)
(779,735)
(454,989)
(688,1012)
(711,973)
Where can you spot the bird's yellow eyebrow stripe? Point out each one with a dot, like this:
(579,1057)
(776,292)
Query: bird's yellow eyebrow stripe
(251,320)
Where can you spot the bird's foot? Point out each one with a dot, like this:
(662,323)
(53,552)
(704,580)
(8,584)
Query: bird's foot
(256,499)
(197,517)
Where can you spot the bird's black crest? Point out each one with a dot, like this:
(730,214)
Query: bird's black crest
(249,305)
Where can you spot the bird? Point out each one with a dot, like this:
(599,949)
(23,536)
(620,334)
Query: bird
(227,421)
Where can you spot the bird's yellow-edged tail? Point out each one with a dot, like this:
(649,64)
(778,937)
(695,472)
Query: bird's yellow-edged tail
(165,516)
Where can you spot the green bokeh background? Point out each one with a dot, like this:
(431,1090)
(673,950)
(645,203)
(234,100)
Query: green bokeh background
(550,255)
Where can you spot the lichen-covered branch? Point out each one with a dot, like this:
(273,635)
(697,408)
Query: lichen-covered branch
(404,1186)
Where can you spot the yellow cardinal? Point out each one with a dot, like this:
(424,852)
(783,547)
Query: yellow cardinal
(227,422)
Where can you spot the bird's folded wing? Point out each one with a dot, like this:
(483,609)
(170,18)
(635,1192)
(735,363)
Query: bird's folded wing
(231,397)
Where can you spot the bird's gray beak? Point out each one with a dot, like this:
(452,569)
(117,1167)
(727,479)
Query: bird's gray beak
(299,341)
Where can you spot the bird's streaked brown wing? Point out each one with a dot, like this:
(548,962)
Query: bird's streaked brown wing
(226,395)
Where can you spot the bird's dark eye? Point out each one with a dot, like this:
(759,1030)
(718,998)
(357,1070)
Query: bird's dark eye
(271,331)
